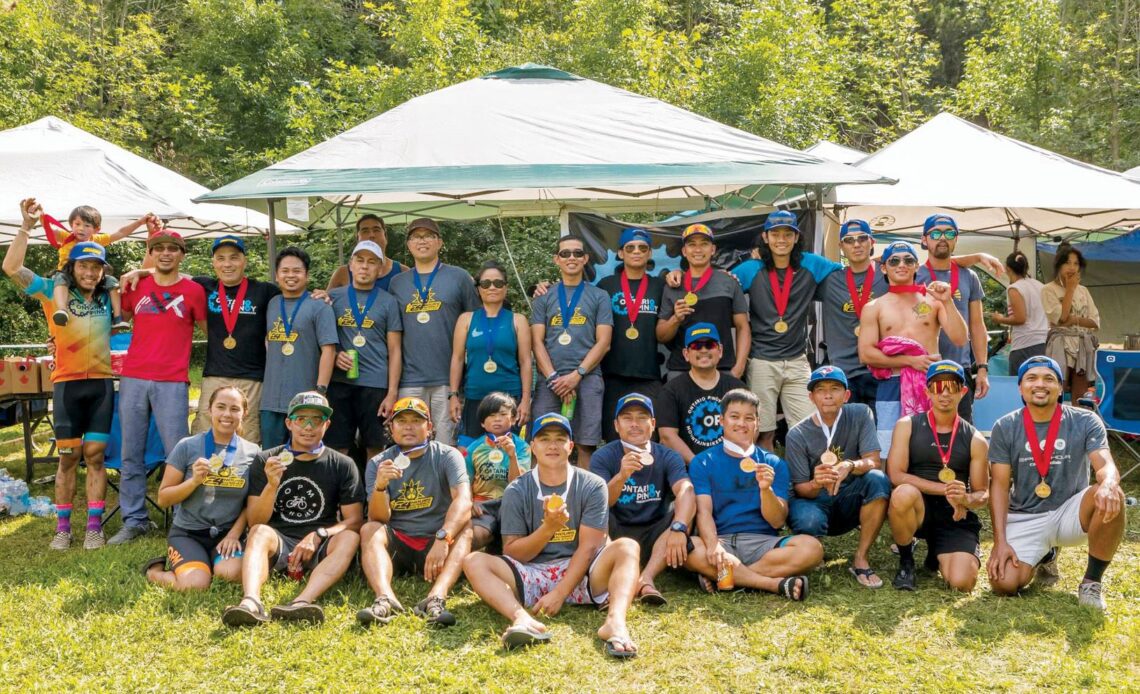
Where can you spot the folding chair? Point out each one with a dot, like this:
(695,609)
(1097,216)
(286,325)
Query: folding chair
(1118,379)
(155,461)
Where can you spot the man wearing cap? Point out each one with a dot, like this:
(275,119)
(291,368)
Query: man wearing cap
(837,476)
(650,496)
(555,552)
(431,297)
(704,296)
(938,466)
(419,517)
(370,227)
(302,344)
(631,364)
(1040,494)
(898,337)
(571,328)
(155,377)
(305,508)
(369,357)
(689,405)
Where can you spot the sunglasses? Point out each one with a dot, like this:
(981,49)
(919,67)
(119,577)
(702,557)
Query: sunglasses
(908,260)
(487,284)
(853,239)
(939,234)
(636,248)
(308,421)
(940,387)
(703,345)
(571,253)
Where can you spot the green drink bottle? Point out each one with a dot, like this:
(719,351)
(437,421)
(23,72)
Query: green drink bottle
(354,371)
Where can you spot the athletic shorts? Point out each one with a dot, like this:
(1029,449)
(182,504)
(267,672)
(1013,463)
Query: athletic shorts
(532,581)
(645,535)
(1031,535)
(944,535)
(355,408)
(286,544)
(888,411)
(749,548)
(586,422)
(406,559)
(490,518)
(83,411)
(187,550)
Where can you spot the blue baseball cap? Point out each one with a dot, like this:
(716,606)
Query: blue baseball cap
(938,220)
(88,250)
(946,366)
(701,331)
(852,226)
(1034,362)
(781,218)
(551,419)
(827,373)
(898,247)
(633,234)
(228,240)
(634,399)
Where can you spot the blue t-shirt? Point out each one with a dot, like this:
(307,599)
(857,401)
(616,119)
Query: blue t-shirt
(647,496)
(477,383)
(735,495)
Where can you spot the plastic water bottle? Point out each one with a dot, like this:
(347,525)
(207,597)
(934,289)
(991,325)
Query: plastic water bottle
(41,507)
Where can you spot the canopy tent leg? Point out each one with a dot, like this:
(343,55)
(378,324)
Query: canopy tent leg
(271,242)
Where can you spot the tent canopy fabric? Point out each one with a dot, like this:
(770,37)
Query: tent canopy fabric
(836,152)
(531,141)
(990,183)
(1133,173)
(1123,249)
(63,167)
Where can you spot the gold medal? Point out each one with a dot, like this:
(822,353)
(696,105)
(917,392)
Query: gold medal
(216,463)
(285,457)
(490,366)
(946,475)
(780,326)
(631,333)
(359,341)
(423,317)
(564,338)
(828,458)
(495,456)
(1043,490)
(229,342)
(747,465)
(691,299)
(287,348)
(553,503)
(857,330)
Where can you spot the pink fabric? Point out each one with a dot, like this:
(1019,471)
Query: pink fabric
(912,382)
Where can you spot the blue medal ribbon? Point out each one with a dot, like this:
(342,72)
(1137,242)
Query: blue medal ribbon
(567,309)
(209,445)
(490,325)
(425,291)
(287,320)
(301,451)
(357,314)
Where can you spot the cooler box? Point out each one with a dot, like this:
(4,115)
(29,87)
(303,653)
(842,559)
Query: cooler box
(25,373)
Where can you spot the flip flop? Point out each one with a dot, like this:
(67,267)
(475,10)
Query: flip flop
(240,616)
(786,586)
(649,595)
(299,611)
(867,573)
(629,650)
(522,636)
(706,584)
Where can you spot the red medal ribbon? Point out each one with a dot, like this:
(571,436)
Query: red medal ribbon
(230,316)
(48,222)
(934,431)
(860,300)
(1041,457)
(953,276)
(687,280)
(633,304)
(781,293)
(907,289)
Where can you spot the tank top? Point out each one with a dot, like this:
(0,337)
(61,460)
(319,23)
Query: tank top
(384,281)
(1036,326)
(924,459)
(477,382)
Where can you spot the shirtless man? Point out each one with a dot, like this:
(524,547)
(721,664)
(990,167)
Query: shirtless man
(898,337)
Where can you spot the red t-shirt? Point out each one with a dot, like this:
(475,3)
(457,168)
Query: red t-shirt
(163,329)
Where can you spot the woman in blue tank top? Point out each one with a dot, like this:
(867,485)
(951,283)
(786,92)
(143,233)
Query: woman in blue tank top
(490,352)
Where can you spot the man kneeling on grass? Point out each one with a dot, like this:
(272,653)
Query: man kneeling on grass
(554,548)
(419,514)
(295,492)
(742,499)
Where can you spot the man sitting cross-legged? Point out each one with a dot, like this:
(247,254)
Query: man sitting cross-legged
(554,548)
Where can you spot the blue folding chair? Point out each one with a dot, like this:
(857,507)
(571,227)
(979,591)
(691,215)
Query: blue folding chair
(1118,380)
(1004,397)
(155,460)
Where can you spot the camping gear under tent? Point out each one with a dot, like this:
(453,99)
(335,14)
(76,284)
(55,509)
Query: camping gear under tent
(1113,279)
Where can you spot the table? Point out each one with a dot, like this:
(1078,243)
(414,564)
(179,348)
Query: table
(29,423)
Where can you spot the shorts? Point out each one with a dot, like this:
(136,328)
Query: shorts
(888,411)
(645,535)
(83,411)
(782,381)
(618,387)
(489,521)
(439,404)
(187,550)
(838,515)
(1018,356)
(532,581)
(749,548)
(406,560)
(944,535)
(355,409)
(286,544)
(1031,535)
(586,423)
(250,425)
(966,404)
(863,389)
(59,278)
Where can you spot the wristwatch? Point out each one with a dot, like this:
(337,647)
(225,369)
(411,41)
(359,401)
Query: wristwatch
(679,527)
(581,371)
(322,533)
(322,389)
(979,367)
(444,536)
(452,394)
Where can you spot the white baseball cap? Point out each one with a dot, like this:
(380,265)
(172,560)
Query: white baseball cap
(370,246)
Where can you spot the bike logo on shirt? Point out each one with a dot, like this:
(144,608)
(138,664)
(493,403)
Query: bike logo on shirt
(299,500)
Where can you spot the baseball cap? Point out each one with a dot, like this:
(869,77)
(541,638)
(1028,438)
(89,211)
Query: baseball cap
(938,220)
(695,230)
(228,240)
(946,366)
(634,399)
(852,226)
(369,246)
(551,419)
(633,234)
(167,236)
(781,218)
(310,400)
(412,405)
(898,247)
(423,223)
(1034,362)
(88,250)
(701,331)
(827,373)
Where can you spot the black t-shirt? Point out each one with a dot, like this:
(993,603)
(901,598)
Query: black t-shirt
(633,358)
(766,342)
(694,411)
(247,359)
(311,491)
(718,303)
(924,460)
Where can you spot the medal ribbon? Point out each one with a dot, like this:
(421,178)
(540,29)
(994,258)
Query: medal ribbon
(567,309)
(287,320)
(490,325)
(638,449)
(209,445)
(300,451)
(907,289)
(632,303)
(425,290)
(781,292)
(687,280)
(357,314)
(569,480)
(1041,458)
(48,222)
(229,314)
(934,432)
(953,276)
(858,301)
(829,432)
(413,449)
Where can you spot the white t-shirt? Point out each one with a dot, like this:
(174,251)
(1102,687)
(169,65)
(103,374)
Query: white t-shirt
(1036,326)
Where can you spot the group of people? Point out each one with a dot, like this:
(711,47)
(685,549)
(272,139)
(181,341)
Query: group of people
(627,468)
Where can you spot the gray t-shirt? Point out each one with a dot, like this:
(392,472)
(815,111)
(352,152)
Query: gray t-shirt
(718,302)
(969,289)
(1081,431)
(593,309)
(839,319)
(587,502)
(854,438)
(420,499)
(382,317)
(763,316)
(427,346)
(287,375)
(218,501)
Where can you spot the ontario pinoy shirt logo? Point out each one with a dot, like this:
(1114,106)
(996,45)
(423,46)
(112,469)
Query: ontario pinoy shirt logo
(215,306)
(299,500)
(702,421)
(648,305)
(632,493)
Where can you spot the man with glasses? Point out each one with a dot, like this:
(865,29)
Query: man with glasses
(431,296)
(571,328)
(898,338)
(631,364)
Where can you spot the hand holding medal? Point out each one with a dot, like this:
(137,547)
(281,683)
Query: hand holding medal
(555,513)
(200,469)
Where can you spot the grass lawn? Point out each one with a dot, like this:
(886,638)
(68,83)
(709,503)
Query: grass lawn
(89,621)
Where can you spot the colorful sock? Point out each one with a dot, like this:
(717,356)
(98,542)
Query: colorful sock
(63,518)
(1095,569)
(95,515)
(906,553)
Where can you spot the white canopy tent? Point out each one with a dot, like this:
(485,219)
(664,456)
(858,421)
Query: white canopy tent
(63,167)
(836,152)
(1133,173)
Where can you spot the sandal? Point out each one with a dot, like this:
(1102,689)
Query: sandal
(382,611)
(787,586)
(521,636)
(706,584)
(628,649)
(241,616)
(873,581)
(300,611)
(648,595)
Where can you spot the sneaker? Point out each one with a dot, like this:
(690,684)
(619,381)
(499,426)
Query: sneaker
(434,610)
(382,611)
(121,326)
(1089,594)
(913,544)
(61,541)
(904,578)
(60,318)
(128,533)
(1047,572)
(94,539)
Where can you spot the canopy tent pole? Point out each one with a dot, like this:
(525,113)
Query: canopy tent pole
(271,242)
